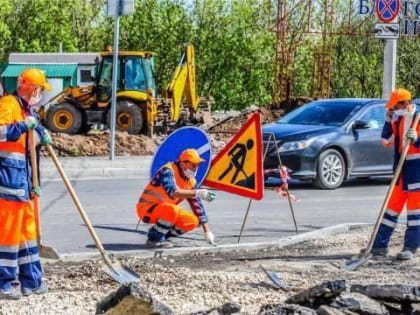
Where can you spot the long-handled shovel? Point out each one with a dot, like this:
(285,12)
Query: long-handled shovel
(112,267)
(44,251)
(365,255)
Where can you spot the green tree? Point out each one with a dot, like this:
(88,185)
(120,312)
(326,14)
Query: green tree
(5,32)
(44,25)
(235,51)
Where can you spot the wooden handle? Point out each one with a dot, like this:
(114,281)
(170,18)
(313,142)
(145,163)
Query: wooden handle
(391,187)
(77,203)
(35,184)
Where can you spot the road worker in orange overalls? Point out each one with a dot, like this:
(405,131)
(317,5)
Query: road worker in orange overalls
(19,258)
(158,204)
(396,131)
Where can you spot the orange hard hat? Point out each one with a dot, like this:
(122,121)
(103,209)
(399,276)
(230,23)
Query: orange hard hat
(190,155)
(34,77)
(398,95)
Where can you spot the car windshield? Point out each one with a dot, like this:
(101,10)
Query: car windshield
(322,113)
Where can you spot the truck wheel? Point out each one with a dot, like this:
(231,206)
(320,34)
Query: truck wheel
(64,118)
(128,118)
(330,170)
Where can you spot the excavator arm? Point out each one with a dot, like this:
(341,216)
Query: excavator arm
(183,83)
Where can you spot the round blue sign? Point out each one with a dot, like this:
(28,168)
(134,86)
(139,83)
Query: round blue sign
(178,141)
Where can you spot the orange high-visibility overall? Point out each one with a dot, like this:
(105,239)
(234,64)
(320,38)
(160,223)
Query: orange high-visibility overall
(18,248)
(155,206)
(406,191)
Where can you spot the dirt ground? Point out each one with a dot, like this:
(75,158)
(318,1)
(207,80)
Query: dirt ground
(96,143)
(200,281)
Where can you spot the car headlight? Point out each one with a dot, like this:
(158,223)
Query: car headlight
(296,145)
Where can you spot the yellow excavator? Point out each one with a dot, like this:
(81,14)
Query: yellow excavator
(76,109)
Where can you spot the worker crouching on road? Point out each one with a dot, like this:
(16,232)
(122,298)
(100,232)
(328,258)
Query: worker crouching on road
(19,258)
(159,201)
(398,130)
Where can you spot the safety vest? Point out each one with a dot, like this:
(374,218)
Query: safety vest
(15,172)
(411,167)
(153,195)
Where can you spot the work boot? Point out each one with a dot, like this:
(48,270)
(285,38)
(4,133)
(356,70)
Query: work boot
(379,251)
(406,254)
(10,294)
(158,244)
(41,290)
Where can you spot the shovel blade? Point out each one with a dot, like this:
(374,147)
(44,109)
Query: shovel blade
(121,274)
(355,263)
(275,279)
(48,252)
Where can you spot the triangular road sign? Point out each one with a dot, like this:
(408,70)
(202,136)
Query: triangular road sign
(238,167)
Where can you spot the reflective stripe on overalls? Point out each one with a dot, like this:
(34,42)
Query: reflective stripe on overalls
(153,195)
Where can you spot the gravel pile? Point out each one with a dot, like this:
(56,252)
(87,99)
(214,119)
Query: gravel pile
(201,281)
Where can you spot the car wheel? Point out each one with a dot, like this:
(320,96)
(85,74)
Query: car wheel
(330,170)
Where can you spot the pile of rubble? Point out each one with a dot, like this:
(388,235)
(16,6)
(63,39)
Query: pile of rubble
(225,282)
(328,298)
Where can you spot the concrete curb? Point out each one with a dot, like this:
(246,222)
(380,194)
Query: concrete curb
(280,243)
(97,167)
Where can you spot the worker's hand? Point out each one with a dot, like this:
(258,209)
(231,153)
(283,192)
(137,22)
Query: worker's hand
(46,138)
(31,122)
(36,191)
(389,114)
(411,134)
(209,236)
(205,194)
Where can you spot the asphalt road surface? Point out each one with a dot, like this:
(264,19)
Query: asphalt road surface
(110,205)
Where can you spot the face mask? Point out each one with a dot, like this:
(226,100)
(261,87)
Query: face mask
(190,173)
(400,112)
(36,97)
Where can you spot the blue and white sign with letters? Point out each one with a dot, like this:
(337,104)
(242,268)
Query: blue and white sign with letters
(178,141)
(387,11)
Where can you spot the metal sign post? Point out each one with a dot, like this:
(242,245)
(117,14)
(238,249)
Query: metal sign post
(390,67)
(114,87)
(387,12)
(116,8)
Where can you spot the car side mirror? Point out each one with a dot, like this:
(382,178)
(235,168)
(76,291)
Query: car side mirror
(359,124)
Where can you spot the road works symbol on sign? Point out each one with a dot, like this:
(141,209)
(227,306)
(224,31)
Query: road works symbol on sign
(387,10)
(238,167)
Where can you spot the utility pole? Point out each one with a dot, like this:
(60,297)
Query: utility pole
(116,8)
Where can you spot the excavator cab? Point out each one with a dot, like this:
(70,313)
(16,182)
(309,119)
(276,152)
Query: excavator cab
(135,74)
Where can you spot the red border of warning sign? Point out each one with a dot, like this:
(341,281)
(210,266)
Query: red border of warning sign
(259,182)
(380,17)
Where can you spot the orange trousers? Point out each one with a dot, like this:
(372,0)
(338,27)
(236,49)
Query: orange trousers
(168,219)
(398,200)
(18,248)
